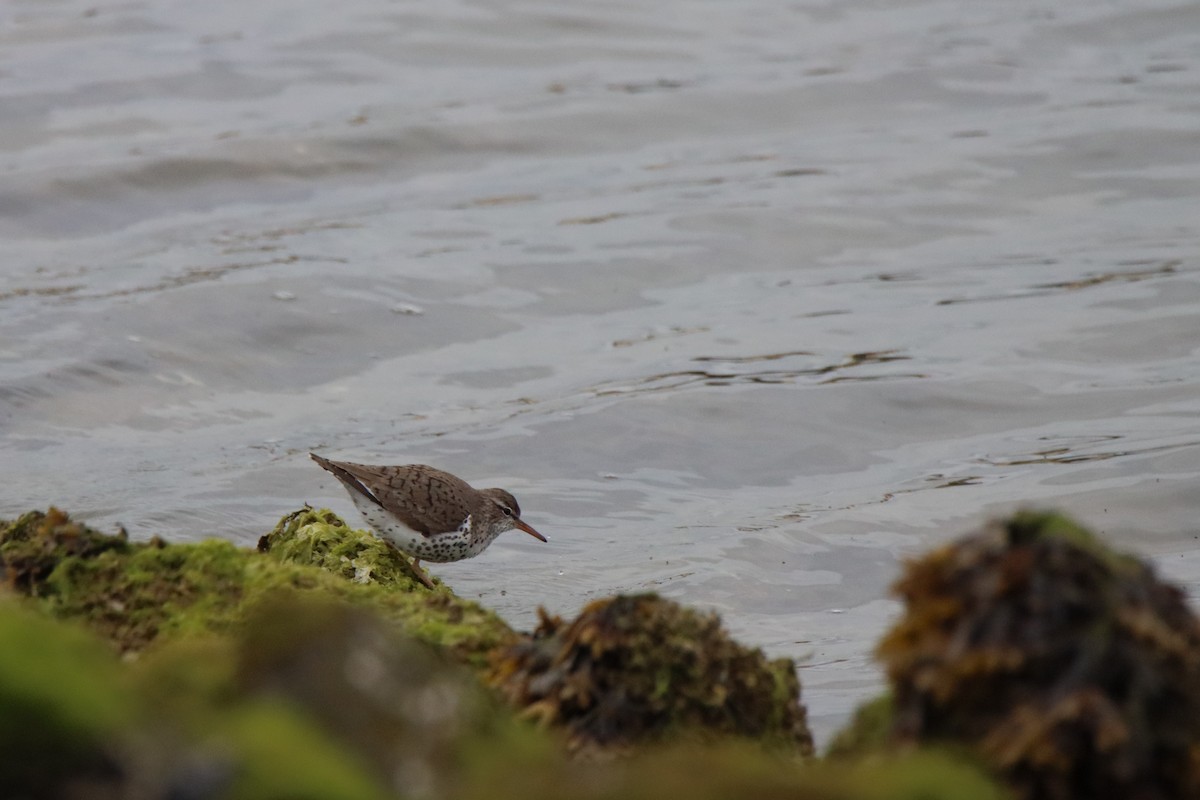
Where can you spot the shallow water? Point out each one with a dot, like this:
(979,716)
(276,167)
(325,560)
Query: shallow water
(745,302)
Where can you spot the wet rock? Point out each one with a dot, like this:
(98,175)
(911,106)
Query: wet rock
(33,545)
(258,676)
(730,769)
(315,700)
(375,574)
(62,708)
(868,730)
(320,538)
(77,724)
(639,668)
(404,709)
(1071,670)
(134,594)
(127,592)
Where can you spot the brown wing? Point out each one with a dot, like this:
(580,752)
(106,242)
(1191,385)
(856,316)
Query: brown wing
(425,499)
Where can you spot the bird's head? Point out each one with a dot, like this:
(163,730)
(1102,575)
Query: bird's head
(510,512)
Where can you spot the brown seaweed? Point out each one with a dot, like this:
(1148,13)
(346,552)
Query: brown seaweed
(1073,671)
(637,668)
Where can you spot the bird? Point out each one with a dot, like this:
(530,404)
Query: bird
(427,513)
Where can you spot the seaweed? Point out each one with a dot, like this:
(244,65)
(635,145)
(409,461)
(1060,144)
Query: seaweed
(639,668)
(321,538)
(134,594)
(1071,670)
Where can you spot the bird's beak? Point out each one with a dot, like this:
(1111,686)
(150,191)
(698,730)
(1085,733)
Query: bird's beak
(522,526)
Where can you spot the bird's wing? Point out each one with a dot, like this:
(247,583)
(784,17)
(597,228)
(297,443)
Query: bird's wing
(425,499)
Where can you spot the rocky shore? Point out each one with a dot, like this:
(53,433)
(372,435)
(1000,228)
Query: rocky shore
(1031,661)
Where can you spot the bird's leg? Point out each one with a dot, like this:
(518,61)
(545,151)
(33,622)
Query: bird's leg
(414,563)
(424,578)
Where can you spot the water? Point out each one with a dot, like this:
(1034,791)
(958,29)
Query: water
(745,302)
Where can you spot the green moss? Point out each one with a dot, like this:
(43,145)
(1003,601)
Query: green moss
(465,629)
(75,722)
(32,546)
(316,700)
(135,594)
(1029,526)
(282,754)
(729,770)
(922,776)
(61,703)
(377,575)
(188,677)
(320,538)
(405,709)
(132,596)
(868,731)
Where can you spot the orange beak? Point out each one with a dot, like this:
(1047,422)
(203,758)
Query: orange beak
(522,526)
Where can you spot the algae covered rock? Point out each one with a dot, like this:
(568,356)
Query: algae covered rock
(62,709)
(318,700)
(869,729)
(1071,670)
(32,545)
(288,673)
(134,594)
(321,538)
(728,770)
(641,668)
(371,572)
(127,592)
(75,724)
(405,709)
(405,714)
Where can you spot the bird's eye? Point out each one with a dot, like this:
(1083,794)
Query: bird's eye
(508,512)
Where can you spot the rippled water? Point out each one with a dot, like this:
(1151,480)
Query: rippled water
(746,302)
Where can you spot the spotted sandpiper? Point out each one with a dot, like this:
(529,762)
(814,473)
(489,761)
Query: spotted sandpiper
(426,513)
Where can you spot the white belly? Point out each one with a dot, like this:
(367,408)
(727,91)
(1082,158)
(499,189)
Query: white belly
(448,546)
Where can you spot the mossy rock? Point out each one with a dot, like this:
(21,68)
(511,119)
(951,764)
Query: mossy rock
(62,706)
(287,674)
(869,730)
(628,670)
(320,538)
(639,668)
(377,575)
(75,723)
(403,707)
(406,713)
(729,769)
(280,752)
(318,700)
(34,544)
(135,593)
(1071,670)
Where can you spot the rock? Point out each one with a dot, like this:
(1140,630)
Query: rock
(867,731)
(1071,670)
(634,669)
(402,707)
(729,769)
(133,594)
(311,672)
(74,725)
(320,538)
(62,708)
